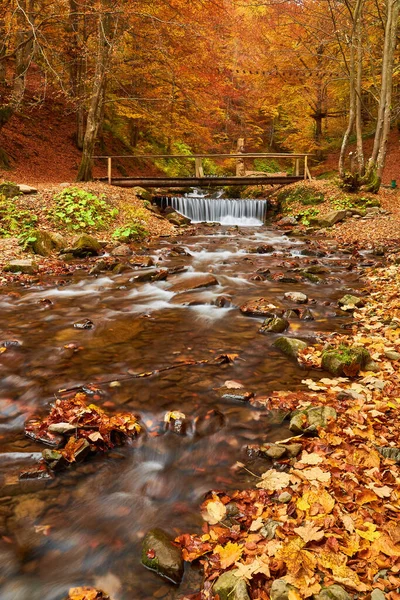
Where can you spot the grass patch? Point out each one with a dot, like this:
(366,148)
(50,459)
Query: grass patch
(16,222)
(303,194)
(135,227)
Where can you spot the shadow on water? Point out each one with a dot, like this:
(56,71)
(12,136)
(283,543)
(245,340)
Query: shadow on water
(85,527)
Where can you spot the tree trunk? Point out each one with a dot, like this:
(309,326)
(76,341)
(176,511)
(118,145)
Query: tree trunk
(376,163)
(106,36)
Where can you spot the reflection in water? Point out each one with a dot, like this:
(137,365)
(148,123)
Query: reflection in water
(86,526)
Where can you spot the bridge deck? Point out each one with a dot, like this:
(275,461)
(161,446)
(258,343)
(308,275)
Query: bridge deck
(202,182)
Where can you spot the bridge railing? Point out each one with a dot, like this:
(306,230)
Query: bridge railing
(300,161)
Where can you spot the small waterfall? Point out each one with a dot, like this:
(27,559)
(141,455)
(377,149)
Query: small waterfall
(250,213)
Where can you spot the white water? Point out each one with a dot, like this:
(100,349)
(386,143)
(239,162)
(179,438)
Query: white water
(246,213)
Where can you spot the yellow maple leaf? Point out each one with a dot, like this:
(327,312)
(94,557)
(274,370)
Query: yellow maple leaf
(314,499)
(371,534)
(228,554)
(298,560)
(309,532)
(336,562)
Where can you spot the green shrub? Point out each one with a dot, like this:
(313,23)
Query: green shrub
(306,215)
(305,195)
(78,209)
(135,226)
(15,221)
(267,166)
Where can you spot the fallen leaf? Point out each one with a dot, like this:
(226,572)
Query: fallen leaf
(309,532)
(274,480)
(214,512)
(228,554)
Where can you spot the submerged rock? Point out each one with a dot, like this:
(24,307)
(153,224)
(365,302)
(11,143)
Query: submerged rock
(193,283)
(230,587)
(238,394)
(309,419)
(223,301)
(209,423)
(159,554)
(24,266)
(289,346)
(260,307)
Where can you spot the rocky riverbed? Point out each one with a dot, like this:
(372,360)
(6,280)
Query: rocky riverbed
(187,300)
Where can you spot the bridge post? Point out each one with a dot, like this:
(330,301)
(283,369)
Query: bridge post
(297,167)
(240,166)
(305,167)
(109,170)
(199,167)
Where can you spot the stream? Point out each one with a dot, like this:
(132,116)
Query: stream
(85,526)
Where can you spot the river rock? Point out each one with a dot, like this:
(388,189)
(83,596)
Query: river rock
(265,249)
(230,587)
(25,266)
(289,346)
(345,360)
(287,222)
(223,301)
(177,219)
(237,394)
(309,419)
(122,250)
(150,275)
(260,307)
(143,262)
(54,459)
(350,302)
(159,554)
(317,270)
(26,189)
(273,451)
(377,594)
(280,590)
(85,245)
(390,452)
(84,324)
(9,190)
(392,355)
(209,423)
(297,297)
(330,219)
(307,315)
(274,325)
(194,282)
(45,242)
(333,592)
(142,193)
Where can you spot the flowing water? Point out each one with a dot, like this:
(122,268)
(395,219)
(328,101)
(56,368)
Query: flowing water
(214,209)
(85,527)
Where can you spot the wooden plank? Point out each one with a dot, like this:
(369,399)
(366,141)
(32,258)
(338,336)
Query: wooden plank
(168,182)
(199,167)
(193,156)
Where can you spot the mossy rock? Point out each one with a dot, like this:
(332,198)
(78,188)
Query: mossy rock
(350,301)
(44,242)
(280,589)
(274,325)
(309,419)
(333,592)
(24,266)
(345,361)
(289,346)
(9,190)
(159,554)
(85,245)
(230,587)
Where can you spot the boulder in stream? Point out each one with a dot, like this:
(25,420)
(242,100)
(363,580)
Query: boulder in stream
(177,219)
(350,302)
(150,275)
(289,346)
(260,307)
(159,554)
(297,297)
(274,325)
(194,282)
(122,250)
(230,587)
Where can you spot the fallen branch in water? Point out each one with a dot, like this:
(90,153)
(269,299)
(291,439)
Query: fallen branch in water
(220,359)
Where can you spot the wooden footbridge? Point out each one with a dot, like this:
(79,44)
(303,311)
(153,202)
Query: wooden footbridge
(299,171)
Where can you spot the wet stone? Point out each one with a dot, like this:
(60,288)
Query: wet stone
(265,249)
(36,472)
(160,555)
(274,325)
(84,324)
(142,262)
(260,307)
(55,460)
(223,301)
(33,431)
(194,283)
(349,302)
(392,355)
(209,423)
(85,245)
(122,250)
(280,590)
(230,587)
(284,498)
(345,360)
(150,275)
(335,592)
(297,297)
(177,269)
(273,451)
(235,394)
(289,346)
